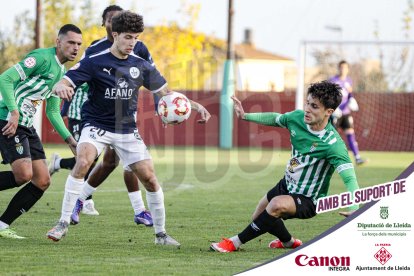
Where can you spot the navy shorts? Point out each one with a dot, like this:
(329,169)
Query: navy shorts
(305,208)
(24,144)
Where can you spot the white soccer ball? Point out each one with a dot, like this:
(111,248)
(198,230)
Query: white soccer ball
(174,108)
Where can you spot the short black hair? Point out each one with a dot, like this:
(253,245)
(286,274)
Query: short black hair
(69,28)
(128,22)
(110,9)
(328,93)
(342,62)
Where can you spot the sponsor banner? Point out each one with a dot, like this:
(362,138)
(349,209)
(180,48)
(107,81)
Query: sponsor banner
(376,240)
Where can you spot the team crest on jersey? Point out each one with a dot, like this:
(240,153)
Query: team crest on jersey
(30,62)
(134,71)
(294,162)
(122,83)
(36,103)
(76,66)
(313,147)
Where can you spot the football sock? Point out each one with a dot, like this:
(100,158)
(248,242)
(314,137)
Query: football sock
(137,202)
(22,201)
(7,180)
(66,163)
(155,202)
(279,230)
(86,192)
(73,188)
(353,145)
(262,224)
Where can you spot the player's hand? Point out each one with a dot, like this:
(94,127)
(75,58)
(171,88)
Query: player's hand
(238,108)
(10,128)
(205,115)
(63,91)
(72,144)
(346,213)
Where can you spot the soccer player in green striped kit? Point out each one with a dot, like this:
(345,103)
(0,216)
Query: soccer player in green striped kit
(317,151)
(23,87)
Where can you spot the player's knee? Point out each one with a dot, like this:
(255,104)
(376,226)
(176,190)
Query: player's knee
(277,207)
(43,182)
(150,181)
(83,163)
(23,177)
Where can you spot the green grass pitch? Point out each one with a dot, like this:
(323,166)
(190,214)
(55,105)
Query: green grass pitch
(209,194)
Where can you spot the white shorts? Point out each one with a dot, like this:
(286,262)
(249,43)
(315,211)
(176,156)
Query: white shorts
(129,147)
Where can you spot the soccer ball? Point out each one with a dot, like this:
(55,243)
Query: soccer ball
(174,108)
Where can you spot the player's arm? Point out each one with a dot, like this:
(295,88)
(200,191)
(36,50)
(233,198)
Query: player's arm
(349,178)
(266,118)
(338,157)
(63,89)
(157,84)
(53,114)
(7,80)
(76,76)
(11,77)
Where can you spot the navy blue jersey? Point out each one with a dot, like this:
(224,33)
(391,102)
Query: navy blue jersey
(99,45)
(113,89)
(73,109)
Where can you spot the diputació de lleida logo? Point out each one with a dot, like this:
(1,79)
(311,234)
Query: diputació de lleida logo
(384,212)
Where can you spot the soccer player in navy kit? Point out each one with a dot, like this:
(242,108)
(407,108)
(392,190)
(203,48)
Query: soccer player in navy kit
(96,175)
(108,118)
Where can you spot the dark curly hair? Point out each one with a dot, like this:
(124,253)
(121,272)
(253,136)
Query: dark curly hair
(127,22)
(110,9)
(328,93)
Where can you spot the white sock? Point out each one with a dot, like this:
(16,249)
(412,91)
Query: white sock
(73,188)
(137,202)
(236,241)
(87,190)
(155,202)
(57,163)
(3,225)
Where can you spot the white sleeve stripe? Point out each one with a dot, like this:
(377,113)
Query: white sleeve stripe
(70,81)
(344,167)
(21,72)
(277,121)
(159,89)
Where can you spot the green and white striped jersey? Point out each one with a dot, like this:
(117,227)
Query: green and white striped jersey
(78,99)
(314,157)
(39,71)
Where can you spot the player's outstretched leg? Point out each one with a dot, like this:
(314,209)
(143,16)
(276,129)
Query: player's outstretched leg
(144,170)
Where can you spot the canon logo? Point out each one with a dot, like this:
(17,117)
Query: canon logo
(303,260)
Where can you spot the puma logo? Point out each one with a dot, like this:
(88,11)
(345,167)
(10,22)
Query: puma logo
(108,71)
